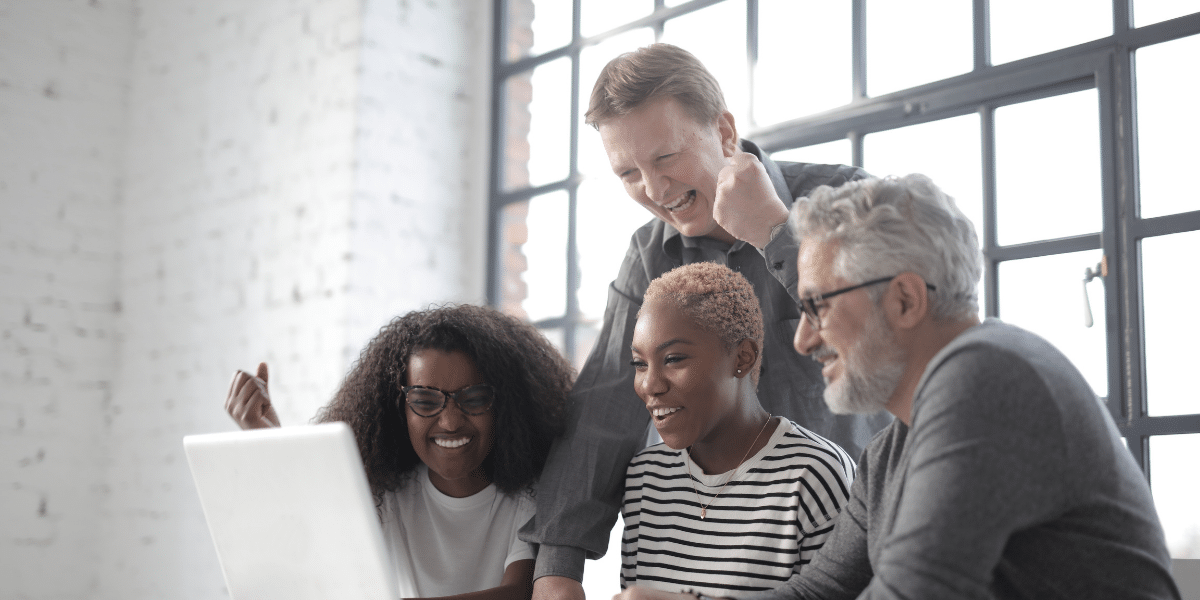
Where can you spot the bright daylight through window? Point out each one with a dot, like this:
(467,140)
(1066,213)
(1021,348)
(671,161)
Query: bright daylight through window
(1065,139)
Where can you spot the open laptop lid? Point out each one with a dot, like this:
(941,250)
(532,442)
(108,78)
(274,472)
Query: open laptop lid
(291,514)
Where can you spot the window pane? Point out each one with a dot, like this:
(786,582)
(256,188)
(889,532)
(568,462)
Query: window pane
(1044,295)
(602,578)
(533,237)
(1059,24)
(911,43)
(1048,168)
(1175,486)
(607,218)
(536,126)
(724,55)
(556,337)
(599,16)
(837,152)
(1167,126)
(786,85)
(1147,12)
(1168,293)
(535,27)
(947,151)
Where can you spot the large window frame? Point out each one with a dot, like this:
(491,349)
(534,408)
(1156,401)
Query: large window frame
(1106,65)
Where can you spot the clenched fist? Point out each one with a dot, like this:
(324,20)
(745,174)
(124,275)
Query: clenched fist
(746,204)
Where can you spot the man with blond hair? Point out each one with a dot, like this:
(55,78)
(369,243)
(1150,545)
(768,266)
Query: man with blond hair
(673,143)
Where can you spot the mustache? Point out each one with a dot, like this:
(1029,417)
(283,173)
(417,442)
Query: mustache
(822,352)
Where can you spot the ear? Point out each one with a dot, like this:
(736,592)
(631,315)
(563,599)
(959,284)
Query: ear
(745,356)
(906,301)
(728,132)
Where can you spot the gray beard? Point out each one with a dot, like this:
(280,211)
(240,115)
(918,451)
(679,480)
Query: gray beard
(872,372)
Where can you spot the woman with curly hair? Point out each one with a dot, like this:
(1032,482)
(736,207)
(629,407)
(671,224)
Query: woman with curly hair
(454,410)
(735,499)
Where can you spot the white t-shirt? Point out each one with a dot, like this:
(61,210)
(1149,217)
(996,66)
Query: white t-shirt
(443,546)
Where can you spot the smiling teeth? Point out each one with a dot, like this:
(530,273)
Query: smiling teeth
(451,443)
(682,202)
(662,412)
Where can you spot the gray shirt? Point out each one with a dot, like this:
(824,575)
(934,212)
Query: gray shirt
(580,491)
(1012,482)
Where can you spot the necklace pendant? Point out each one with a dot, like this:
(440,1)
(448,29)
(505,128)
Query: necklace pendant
(703,513)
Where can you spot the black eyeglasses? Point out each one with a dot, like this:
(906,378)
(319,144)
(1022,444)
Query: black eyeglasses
(429,401)
(808,305)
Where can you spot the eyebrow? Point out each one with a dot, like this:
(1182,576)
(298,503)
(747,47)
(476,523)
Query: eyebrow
(666,344)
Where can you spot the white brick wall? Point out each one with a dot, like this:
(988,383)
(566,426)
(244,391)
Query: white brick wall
(63,81)
(198,185)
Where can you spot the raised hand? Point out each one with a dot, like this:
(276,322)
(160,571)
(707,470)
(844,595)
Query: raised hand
(248,401)
(746,205)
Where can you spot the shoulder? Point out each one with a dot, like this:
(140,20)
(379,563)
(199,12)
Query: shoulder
(803,178)
(999,381)
(1002,361)
(658,455)
(809,452)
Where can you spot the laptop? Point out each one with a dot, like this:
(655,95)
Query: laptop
(291,514)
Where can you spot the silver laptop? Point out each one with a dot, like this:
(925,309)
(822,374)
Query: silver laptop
(291,514)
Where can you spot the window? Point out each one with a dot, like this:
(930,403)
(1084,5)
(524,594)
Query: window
(1069,145)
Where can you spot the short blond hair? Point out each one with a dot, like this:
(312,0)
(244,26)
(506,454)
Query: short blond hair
(655,71)
(718,299)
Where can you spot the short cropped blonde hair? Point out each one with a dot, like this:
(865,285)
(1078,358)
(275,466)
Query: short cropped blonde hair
(718,299)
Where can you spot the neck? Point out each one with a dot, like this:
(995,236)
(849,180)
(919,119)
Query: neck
(738,437)
(461,487)
(922,345)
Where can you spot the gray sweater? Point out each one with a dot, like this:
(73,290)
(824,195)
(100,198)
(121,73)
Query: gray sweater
(1012,482)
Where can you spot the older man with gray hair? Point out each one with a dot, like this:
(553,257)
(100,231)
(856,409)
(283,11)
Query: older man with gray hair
(1002,475)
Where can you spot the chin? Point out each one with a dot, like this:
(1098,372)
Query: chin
(674,442)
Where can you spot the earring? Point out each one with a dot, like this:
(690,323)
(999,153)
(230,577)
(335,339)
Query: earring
(739,371)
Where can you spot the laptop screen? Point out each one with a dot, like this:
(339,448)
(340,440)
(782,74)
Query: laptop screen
(291,514)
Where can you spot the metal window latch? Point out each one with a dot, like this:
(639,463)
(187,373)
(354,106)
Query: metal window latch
(1089,274)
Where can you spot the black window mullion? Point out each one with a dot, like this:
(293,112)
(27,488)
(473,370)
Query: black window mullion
(1115,167)
(987,155)
(751,57)
(499,41)
(982,37)
(858,53)
(572,319)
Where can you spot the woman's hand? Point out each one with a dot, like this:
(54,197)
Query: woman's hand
(248,401)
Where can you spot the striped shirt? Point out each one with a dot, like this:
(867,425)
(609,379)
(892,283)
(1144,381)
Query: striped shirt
(766,524)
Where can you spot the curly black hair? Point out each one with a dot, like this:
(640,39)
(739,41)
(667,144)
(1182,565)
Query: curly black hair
(530,376)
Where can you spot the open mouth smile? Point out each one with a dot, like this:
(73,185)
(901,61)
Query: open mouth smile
(661,413)
(682,202)
(452,443)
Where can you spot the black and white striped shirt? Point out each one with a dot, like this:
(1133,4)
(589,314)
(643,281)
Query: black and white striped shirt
(768,522)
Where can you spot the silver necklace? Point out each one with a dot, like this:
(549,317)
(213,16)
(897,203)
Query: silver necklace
(687,465)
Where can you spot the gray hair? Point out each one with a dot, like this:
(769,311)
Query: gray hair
(889,226)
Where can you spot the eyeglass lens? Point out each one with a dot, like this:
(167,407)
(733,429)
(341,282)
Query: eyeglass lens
(427,402)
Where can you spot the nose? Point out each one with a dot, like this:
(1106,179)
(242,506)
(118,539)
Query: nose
(656,185)
(451,418)
(807,337)
(650,383)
